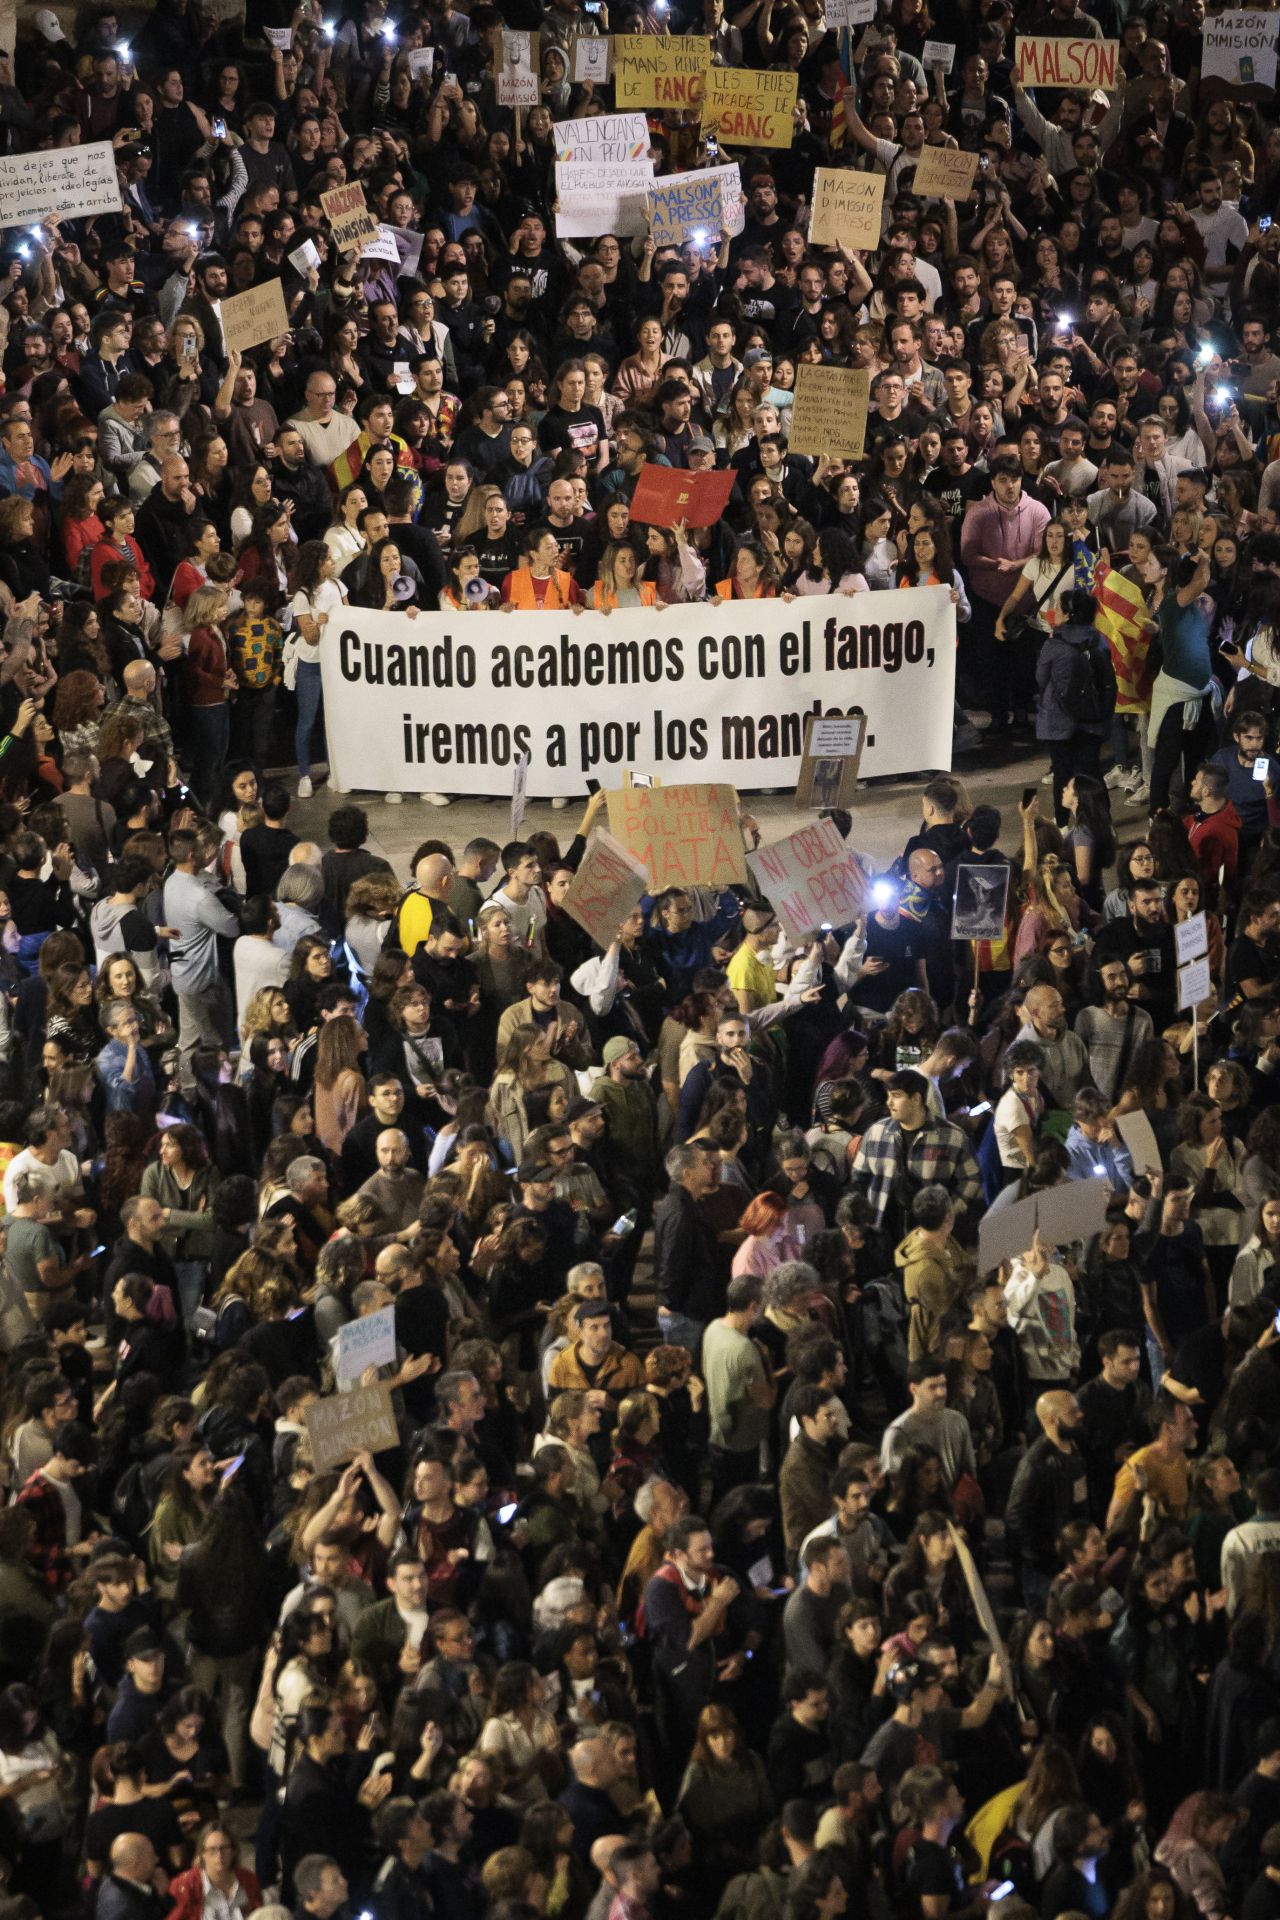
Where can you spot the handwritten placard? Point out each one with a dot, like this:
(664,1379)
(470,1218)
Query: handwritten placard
(367,1342)
(250,318)
(829,413)
(1042,61)
(696,206)
(344,1424)
(944,173)
(1195,982)
(278,37)
(608,885)
(350,221)
(749,108)
(683,836)
(592,58)
(847,208)
(603,175)
(382,247)
(812,878)
(1190,938)
(938,53)
(1240,49)
(515,57)
(660,70)
(58,183)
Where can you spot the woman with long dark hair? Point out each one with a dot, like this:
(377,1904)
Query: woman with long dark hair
(1089,838)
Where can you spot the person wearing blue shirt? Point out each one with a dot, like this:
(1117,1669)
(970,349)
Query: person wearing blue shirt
(1093,1151)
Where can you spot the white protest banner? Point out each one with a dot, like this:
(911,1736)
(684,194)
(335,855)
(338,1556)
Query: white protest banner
(281,37)
(592,56)
(1190,938)
(422,60)
(382,247)
(1240,49)
(702,693)
(344,1424)
(1005,1232)
(250,318)
(1043,61)
(1195,982)
(609,883)
(58,183)
(1074,1211)
(811,879)
(603,175)
(367,1342)
(1139,1136)
(305,258)
(686,206)
(938,53)
(516,69)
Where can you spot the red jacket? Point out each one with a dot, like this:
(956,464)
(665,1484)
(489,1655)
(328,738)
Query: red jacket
(206,667)
(186,1890)
(1215,842)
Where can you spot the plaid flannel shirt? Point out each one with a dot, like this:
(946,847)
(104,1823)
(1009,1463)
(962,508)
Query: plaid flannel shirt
(937,1153)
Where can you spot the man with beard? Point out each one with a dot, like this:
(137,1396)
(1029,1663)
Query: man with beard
(1112,1031)
(1065,1067)
(1144,941)
(1049,1489)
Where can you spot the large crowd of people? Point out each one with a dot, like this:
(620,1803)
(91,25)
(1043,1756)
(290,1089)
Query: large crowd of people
(704,1522)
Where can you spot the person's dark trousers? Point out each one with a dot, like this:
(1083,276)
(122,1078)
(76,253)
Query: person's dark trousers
(210,734)
(1082,753)
(979,663)
(730,1469)
(251,720)
(1176,742)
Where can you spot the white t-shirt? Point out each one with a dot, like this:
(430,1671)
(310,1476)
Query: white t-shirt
(65,1173)
(329,597)
(1220,229)
(1010,1114)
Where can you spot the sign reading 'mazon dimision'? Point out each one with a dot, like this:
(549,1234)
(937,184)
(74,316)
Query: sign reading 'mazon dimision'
(695,693)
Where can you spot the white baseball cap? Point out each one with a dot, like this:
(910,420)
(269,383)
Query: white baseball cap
(48,24)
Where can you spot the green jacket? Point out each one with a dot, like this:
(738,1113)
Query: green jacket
(631,1109)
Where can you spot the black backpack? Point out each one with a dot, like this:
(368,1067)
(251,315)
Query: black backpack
(132,1506)
(1089,694)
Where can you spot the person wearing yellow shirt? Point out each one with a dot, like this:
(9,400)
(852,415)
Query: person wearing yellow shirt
(433,873)
(750,975)
(1158,1470)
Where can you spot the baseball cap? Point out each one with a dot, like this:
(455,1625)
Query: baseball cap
(143,1644)
(619,1045)
(753,354)
(48,25)
(579,1109)
(701,444)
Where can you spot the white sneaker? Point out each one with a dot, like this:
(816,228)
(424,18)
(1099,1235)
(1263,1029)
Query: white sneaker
(305,788)
(395,799)
(1139,796)
(1118,777)
(560,802)
(1046,779)
(435,799)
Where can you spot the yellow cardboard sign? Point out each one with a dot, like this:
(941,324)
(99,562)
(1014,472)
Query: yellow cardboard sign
(945,173)
(847,208)
(660,70)
(250,318)
(750,109)
(829,412)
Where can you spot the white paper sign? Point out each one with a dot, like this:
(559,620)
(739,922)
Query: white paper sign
(1240,48)
(938,53)
(851,13)
(383,248)
(1195,982)
(1191,938)
(59,183)
(281,37)
(519,793)
(1136,1131)
(603,175)
(517,80)
(305,258)
(422,60)
(369,1342)
(591,59)
(409,247)
(834,739)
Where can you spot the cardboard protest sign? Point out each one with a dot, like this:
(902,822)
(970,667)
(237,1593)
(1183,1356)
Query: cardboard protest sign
(660,70)
(609,883)
(58,183)
(1190,938)
(1238,53)
(983,1608)
(519,792)
(812,879)
(664,495)
(696,206)
(1005,1233)
(982,894)
(750,108)
(945,173)
(1138,1135)
(849,13)
(938,53)
(1042,61)
(1076,1210)
(1195,982)
(367,1342)
(591,59)
(829,412)
(683,836)
(515,69)
(344,1424)
(250,318)
(847,208)
(350,221)
(829,765)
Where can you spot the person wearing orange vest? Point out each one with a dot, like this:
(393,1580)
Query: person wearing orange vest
(752,577)
(617,585)
(538,583)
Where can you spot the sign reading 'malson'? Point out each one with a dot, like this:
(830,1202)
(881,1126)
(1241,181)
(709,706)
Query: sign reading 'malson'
(692,693)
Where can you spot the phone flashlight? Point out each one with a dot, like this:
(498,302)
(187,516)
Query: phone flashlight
(507,1514)
(25,252)
(124,51)
(700,236)
(1001,1890)
(1066,319)
(882,892)
(1099,1170)
(388,31)
(327,30)
(1223,396)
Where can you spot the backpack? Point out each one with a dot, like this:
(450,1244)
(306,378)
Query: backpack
(132,1505)
(1090,692)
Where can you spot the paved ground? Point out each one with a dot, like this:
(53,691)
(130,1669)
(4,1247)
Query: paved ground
(886,813)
